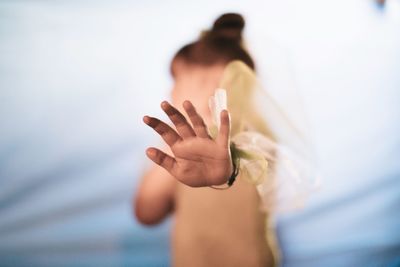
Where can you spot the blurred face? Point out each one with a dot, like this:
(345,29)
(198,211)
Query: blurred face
(195,83)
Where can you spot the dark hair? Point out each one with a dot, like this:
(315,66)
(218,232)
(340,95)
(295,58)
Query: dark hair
(222,44)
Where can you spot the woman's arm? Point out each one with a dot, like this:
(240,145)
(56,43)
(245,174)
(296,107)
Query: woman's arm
(155,198)
(199,161)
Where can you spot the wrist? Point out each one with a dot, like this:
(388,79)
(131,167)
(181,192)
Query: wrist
(233,172)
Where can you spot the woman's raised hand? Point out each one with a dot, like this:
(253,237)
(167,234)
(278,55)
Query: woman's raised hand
(198,159)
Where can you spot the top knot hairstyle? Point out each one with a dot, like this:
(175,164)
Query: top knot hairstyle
(229,26)
(220,45)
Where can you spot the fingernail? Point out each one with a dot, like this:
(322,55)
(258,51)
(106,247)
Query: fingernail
(164,104)
(186,104)
(150,152)
(225,115)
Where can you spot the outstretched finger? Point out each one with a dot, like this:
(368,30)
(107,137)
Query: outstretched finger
(182,126)
(224,130)
(199,125)
(161,158)
(164,130)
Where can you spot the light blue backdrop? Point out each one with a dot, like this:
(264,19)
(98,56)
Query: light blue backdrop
(76,77)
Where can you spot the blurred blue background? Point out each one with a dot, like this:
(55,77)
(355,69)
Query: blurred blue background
(76,77)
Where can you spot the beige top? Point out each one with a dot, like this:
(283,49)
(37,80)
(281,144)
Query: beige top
(219,227)
(222,227)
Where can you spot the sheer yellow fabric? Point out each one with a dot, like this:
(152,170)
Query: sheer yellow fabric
(271,152)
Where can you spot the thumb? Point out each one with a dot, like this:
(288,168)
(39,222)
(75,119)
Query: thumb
(224,130)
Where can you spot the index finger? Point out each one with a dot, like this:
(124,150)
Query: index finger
(199,125)
(177,118)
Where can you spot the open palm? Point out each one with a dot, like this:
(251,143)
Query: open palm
(198,159)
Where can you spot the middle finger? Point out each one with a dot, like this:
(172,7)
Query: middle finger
(182,126)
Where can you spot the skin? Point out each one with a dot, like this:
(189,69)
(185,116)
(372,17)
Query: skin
(197,159)
(211,227)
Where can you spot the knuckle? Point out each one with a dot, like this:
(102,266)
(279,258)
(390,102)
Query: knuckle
(159,129)
(161,159)
(176,117)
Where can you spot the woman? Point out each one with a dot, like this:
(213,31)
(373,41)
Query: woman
(212,227)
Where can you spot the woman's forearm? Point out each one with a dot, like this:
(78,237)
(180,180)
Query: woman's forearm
(154,200)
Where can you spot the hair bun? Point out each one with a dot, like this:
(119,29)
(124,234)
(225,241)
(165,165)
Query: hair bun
(229,25)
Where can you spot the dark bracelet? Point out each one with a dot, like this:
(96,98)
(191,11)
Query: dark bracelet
(234,174)
(231,179)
